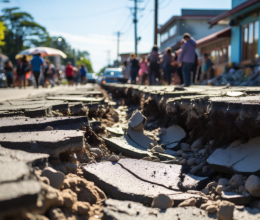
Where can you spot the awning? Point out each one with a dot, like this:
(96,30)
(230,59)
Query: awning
(220,34)
(231,12)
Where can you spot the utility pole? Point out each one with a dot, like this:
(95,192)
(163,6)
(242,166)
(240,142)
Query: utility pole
(118,41)
(108,58)
(155,21)
(135,22)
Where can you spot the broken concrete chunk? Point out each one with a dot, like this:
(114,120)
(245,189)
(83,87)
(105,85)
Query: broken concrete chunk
(192,182)
(162,202)
(56,177)
(28,124)
(113,158)
(185,147)
(49,142)
(226,210)
(173,136)
(48,128)
(220,188)
(116,131)
(75,99)
(252,185)
(158,149)
(8,155)
(16,195)
(123,184)
(239,157)
(118,210)
(235,198)
(163,174)
(137,121)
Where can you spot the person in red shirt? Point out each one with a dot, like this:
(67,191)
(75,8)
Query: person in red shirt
(69,73)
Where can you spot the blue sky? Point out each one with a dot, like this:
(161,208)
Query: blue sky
(91,25)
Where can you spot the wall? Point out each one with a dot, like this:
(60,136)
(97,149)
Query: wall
(236,38)
(235,3)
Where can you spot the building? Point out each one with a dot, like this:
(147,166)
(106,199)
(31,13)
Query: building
(125,56)
(217,45)
(244,19)
(192,21)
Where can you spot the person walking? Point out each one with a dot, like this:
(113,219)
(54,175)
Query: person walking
(49,71)
(187,58)
(36,64)
(167,64)
(23,68)
(134,67)
(8,67)
(143,70)
(207,68)
(83,73)
(69,73)
(154,67)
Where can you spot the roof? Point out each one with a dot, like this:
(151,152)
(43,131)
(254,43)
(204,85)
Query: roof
(231,12)
(193,14)
(220,34)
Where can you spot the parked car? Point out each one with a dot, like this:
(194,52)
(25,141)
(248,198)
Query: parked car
(91,77)
(112,75)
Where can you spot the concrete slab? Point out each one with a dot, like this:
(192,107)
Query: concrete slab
(49,142)
(75,99)
(162,174)
(236,198)
(8,155)
(239,157)
(121,184)
(127,210)
(24,124)
(191,182)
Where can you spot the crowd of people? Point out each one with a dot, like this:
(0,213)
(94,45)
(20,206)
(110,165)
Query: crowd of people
(41,72)
(182,67)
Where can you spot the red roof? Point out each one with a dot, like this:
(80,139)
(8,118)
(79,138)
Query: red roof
(233,11)
(220,34)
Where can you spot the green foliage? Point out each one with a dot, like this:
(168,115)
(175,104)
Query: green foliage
(87,63)
(21,31)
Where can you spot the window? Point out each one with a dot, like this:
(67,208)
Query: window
(164,36)
(173,30)
(250,40)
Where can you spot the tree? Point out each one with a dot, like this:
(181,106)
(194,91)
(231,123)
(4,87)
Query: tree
(87,64)
(21,32)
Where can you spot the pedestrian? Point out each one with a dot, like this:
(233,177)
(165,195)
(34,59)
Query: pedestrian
(69,73)
(9,73)
(207,68)
(83,73)
(154,66)
(168,59)
(127,71)
(143,70)
(134,67)
(179,67)
(187,58)
(36,65)
(23,67)
(49,71)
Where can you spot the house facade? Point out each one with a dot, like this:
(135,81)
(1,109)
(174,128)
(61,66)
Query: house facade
(244,20)
(192,21)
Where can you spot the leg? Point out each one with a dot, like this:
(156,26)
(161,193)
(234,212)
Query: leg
(186,69)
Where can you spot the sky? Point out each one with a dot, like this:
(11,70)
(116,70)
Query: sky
(92,25)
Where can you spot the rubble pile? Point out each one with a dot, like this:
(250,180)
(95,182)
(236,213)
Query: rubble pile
(137,153)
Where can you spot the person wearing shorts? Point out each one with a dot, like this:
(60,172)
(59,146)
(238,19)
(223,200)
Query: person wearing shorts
(69,73)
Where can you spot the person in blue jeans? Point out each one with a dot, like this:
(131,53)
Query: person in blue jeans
(36,63)
(134,67)
(187,58)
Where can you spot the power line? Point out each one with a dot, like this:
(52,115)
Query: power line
(166,5)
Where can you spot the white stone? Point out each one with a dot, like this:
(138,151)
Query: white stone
(113,158)
(226,210)
(183,161)
(236,181)
(252,185)
(162,202)
(158,149)
(48,128)
(195,169)
(97,151)
(241,189)
(205,191)
(220,188)
(136,119)
(223,181)
(56,177)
